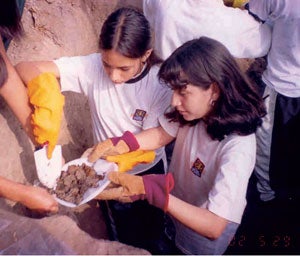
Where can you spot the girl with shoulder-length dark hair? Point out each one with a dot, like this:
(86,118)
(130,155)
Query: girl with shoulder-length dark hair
(214,118)
(124,94)
(204,63)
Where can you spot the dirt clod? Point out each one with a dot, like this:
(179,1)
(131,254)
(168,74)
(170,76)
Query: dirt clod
(73,183)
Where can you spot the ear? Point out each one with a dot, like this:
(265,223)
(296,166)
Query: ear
(215,91)
(146,55)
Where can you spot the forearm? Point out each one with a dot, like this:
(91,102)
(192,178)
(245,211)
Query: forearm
(34,198)
(153,138)
(198,219)
(14,93)
(11,190)
(31,69)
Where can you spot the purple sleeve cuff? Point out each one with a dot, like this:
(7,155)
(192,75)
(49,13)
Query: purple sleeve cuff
(157,188)
(129,139)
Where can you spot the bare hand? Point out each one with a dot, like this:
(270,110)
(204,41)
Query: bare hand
(36,198)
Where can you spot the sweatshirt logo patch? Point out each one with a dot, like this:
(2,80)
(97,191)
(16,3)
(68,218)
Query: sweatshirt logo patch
(198,167)
(139,115)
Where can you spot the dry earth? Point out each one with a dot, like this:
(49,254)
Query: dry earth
(55,28)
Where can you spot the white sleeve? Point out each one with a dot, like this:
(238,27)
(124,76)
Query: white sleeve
(170,127)
(149,10)
(244,36)
(157,13)
(235,167)
(250,38)
(76,73)
(153,9)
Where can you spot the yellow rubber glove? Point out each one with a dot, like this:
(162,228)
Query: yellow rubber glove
(236,3)
(127,161)
(239,3)
(44,94)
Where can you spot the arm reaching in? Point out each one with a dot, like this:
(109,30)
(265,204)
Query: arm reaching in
(46,98)
(14,93)
(28,70)
(156,188)
(199,219)
(149,139)
(35,198)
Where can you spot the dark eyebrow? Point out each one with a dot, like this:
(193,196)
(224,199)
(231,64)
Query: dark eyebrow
(105,63)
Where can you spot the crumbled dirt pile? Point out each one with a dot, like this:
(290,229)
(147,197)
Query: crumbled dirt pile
(75,181)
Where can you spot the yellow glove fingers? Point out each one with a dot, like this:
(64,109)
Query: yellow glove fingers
(132,154)
(146,157)
(138,155)
(124,167)
(123,163)
(127,157)
(128,160)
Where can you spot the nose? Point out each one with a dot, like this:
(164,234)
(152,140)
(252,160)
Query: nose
(175,100)
(115,76)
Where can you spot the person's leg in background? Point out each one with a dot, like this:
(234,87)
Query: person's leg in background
(270,223)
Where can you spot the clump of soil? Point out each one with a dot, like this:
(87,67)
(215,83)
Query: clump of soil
(73,183)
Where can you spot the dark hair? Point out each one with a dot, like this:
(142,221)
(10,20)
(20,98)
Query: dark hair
(204,61)
(3,71)
(127,31)
(10,19)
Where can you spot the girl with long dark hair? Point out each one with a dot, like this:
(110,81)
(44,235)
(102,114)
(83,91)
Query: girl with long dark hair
(124,94)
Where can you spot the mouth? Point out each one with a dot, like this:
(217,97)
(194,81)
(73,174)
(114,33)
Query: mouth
(185,114)
(182,112)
